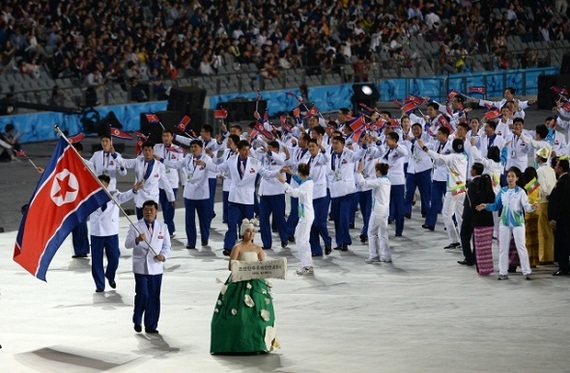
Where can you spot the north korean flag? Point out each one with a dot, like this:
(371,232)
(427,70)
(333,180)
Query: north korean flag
(115,132)
(184,122)
(66,194)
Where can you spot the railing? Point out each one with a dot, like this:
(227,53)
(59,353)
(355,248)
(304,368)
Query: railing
(244,79)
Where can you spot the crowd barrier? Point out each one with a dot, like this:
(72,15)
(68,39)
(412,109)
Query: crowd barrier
(39,126)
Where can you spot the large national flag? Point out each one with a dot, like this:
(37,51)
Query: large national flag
(66,194)
(115,132)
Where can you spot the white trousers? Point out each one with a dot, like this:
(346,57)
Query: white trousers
(302,235)
(452,205)
(504,245)
(378,244)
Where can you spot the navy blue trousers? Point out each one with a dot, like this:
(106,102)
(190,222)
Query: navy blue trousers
(272,205)
(109,245)
(80,239)
(203,208)
(319,228)
(225,196)
(438,189)
(397,206)
(167,210)
(340,211)
(365,202)
(236,213)
(293,218)
(147,300)
(422,181)
(212,182)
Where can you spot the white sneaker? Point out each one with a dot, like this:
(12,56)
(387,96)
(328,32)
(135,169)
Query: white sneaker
(372,260)
(386,260)
(305,271)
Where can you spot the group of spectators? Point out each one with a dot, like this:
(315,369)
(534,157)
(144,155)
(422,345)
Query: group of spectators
(138,40)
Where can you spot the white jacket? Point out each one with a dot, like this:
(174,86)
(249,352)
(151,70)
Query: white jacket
(108,164)
(157,179)
(144,261)
(196,185)
(106,223)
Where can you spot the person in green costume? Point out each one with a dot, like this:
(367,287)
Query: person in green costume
(244,320)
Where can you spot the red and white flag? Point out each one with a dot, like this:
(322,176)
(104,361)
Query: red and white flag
(115,132)
(480,90)
(76,138)
(66,194)
(152,118)
(220,114)
(141,139)
(184,122)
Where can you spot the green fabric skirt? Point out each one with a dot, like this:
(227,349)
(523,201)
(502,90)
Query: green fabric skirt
(243,320)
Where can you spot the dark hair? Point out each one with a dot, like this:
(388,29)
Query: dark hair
(383,168)
(339,139)
(463,125)
(78,146)
(150,202)
(530,173)
(242,144)
(387,113)
(319,130)
(148,144)
(443,130)
(511,89)
(417,125)
(303,169)
(494,153)
(305,136)
(9,127)
(208,128)
(313,141)
(234,138)
(492,124)
(478,168)
(434,105)
(518,120)
(197,142)
(394,136)
(273,144)
(237,126)
(105,136)
(520,182)
(458,145)
(104,178)
(542,130)
(168,130)
(564,165)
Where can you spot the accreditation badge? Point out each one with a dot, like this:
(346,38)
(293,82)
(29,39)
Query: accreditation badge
(337,176)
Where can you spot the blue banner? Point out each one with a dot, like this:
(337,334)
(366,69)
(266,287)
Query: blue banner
(39,126)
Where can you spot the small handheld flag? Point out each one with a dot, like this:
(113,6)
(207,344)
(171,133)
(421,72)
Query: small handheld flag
(115,132)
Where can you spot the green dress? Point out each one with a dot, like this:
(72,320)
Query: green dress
(243,320)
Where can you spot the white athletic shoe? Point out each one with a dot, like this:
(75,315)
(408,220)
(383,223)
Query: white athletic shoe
(372,260)
(305,271)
